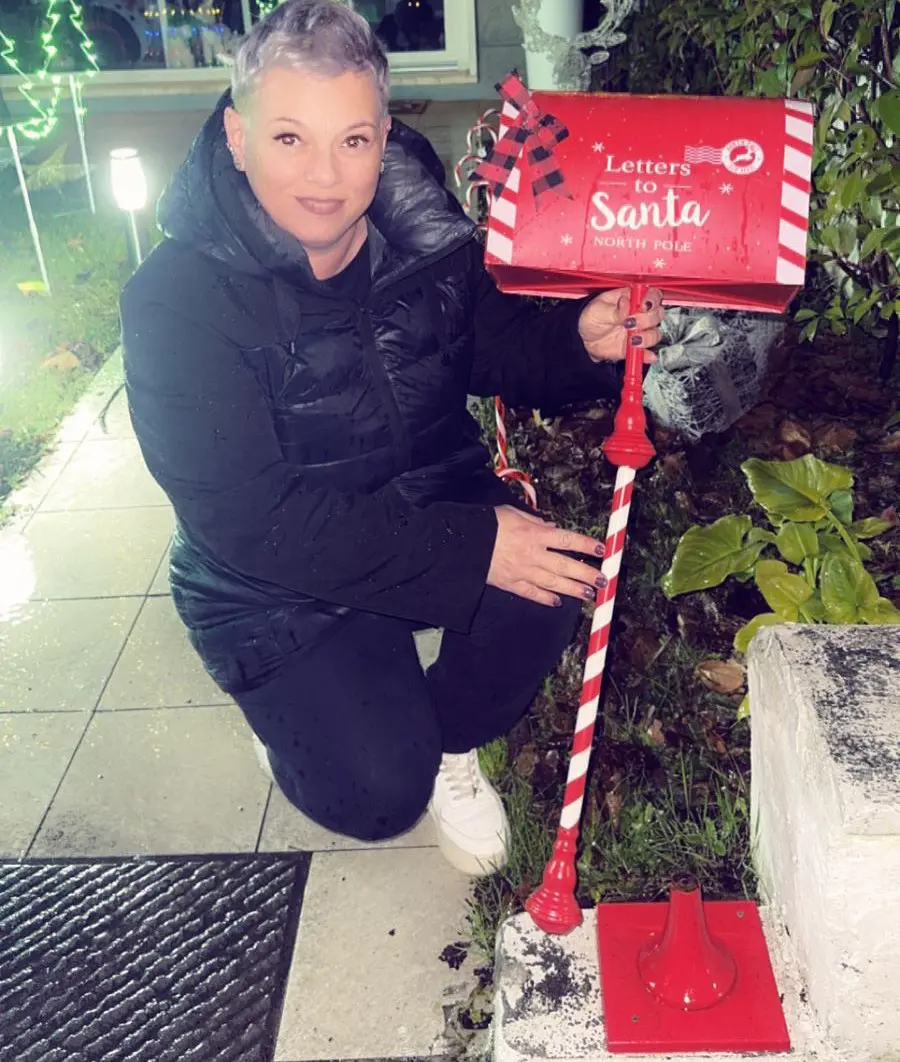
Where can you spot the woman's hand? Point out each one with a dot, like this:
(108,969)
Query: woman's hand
(605,321)
(524,565)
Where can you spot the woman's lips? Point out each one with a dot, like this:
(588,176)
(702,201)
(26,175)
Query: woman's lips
(322,207)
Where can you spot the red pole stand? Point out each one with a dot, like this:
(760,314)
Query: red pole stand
(629,444)
(685,967)
(552,905)
(687,976)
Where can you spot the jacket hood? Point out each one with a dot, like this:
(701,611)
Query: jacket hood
(210,206)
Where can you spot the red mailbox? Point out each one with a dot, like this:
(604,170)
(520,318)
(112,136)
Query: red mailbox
(707,199)
(704,197)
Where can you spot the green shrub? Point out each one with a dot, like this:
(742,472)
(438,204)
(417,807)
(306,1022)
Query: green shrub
(844,57)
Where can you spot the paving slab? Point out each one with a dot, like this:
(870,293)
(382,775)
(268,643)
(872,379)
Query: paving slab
(163,782)
(34,753)
(104,474)
(158,667)
(87,554)
(366,980)
(58,655)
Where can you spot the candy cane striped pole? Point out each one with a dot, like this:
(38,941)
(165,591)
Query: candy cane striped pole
(552,905)
(504,470)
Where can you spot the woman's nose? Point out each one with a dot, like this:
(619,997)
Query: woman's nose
(322,169)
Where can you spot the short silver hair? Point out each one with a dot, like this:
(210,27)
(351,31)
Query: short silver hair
(323,37)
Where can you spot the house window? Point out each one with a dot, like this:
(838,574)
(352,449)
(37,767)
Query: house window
(422,36)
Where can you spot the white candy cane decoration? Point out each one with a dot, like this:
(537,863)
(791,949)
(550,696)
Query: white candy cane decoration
(504,469)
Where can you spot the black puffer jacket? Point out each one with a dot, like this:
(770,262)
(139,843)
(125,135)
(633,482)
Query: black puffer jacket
(315,444)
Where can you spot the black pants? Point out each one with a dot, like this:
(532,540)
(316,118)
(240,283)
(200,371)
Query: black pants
(356,729)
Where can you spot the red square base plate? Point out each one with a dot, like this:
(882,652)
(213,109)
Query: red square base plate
(748,1019)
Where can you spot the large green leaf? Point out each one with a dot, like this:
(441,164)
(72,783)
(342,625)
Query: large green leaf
(833,543)
(815,610)
(842,506)
(783,591)
(846,587)
(796,542)
(883,611)
(888,107)
(744,636)
(798,490)
(706,556)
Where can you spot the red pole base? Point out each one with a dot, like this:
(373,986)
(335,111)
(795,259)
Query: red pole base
(746,1017)
(552,905)
(685,967)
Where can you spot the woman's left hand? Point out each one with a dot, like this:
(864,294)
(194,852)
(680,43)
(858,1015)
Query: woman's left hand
(605,322)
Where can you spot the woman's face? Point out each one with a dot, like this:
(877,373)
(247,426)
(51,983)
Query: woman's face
(311,148)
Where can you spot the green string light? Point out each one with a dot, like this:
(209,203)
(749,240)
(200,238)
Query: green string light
(45,116)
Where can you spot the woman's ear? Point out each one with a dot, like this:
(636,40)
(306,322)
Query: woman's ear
(385,130)
(234,131)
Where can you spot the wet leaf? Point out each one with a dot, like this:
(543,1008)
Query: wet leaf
(870,527)
(782,590)
(686,503)
(643,647)
(706,556)
(766,619)
(793,433)
(883,611)
(526,761)
(655,734)
(673,465)
(614,801)
(842,506)
(797,490)
(721,676)
(834,438)
(796,542)
(846,587)
(66,361)
(33,287)
(888,445)
(718,743)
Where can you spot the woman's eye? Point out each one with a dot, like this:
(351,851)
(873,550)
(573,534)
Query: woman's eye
(288,139)
(357,141)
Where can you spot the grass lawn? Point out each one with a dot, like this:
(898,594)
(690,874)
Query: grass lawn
(87,261)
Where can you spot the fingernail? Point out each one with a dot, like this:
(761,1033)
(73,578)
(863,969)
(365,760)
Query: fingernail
(601,582)
(636,341)
(557,602)
(630,322)
(588,593)
(600,549)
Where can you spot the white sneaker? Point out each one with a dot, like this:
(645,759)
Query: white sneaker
(473,831)
(263,757)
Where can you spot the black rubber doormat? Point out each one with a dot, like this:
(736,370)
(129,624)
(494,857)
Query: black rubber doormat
(150,960)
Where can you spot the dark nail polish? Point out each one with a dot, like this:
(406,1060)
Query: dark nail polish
(636,341)
(630,322)
(601,582)
(600,549)
(587,593)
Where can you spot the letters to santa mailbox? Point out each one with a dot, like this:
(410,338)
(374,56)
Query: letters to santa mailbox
(704,197)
